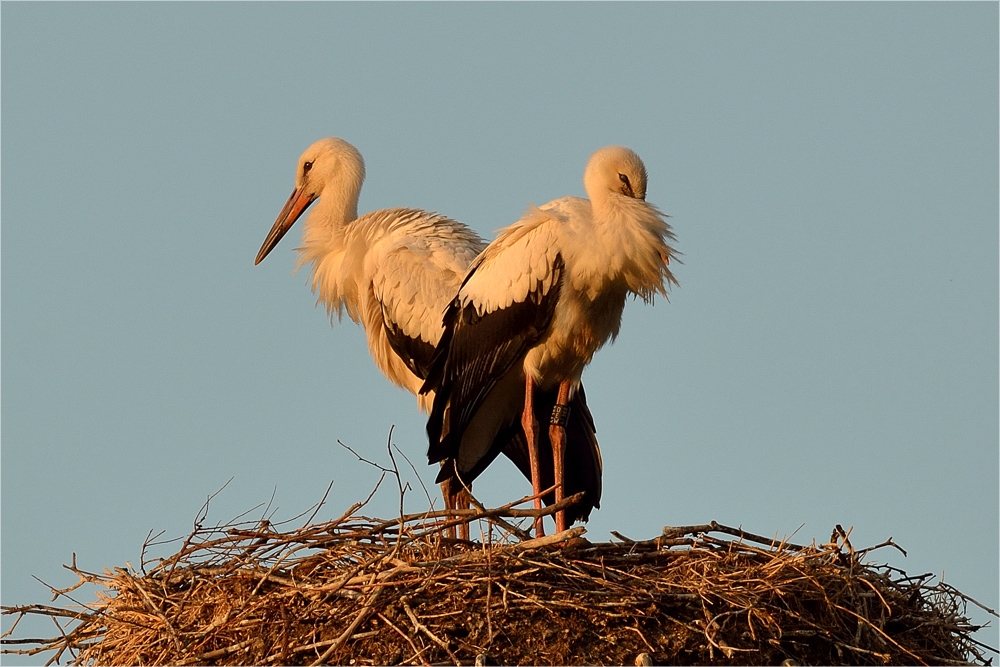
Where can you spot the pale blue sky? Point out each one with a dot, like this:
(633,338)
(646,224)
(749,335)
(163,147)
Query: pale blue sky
(832,175)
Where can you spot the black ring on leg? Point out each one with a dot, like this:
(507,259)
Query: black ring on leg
(560,415)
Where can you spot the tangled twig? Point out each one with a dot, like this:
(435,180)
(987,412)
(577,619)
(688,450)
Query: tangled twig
(396,591)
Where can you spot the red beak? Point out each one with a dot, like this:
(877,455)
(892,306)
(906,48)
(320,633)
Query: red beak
(293,208)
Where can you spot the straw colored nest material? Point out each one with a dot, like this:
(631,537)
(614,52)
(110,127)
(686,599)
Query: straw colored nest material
(364,591)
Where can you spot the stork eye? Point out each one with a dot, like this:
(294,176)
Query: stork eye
(307,166)
(626,185)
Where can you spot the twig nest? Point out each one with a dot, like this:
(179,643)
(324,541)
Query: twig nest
(367,591)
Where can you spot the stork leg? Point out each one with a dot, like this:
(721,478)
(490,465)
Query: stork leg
(462,503)
(530,426)
(557,434)
(449,504)
(455,498)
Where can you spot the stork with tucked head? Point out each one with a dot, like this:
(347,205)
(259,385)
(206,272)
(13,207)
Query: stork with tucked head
(394,271)
(535,307)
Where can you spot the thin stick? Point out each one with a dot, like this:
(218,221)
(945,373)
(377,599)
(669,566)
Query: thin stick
(672,531)
(420,627)
(417,652)
(555,538)
(358,619)
(217,653)
(320,504)
(509,527)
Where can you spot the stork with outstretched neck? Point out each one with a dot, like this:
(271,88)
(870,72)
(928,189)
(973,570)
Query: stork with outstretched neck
(535,307)
(394,271)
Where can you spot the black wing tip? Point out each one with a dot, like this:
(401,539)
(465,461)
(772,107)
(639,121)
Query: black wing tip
(415,353)
(476,350)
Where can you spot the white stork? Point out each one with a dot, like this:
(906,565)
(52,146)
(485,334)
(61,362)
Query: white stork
(394,271)
(537,304)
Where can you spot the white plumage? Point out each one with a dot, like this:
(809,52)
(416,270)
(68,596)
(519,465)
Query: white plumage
(389,268)
(543,298)
(394,272)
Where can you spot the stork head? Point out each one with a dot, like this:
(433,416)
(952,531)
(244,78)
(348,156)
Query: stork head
(332,168)
(614,170)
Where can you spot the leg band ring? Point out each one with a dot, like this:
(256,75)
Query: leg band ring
(560,415)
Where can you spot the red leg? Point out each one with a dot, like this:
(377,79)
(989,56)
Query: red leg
(530,425)
(557,434)
(449,504)
(462,503)
(455,498)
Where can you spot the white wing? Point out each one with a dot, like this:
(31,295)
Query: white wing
(413,271)
(521,258)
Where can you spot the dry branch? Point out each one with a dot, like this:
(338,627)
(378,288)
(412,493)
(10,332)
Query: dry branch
(370,591)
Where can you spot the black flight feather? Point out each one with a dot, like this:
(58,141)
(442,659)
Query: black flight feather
(583,455)
(416,353)
(475,352)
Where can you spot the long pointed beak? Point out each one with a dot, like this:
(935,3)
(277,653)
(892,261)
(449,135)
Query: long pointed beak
(294,207)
